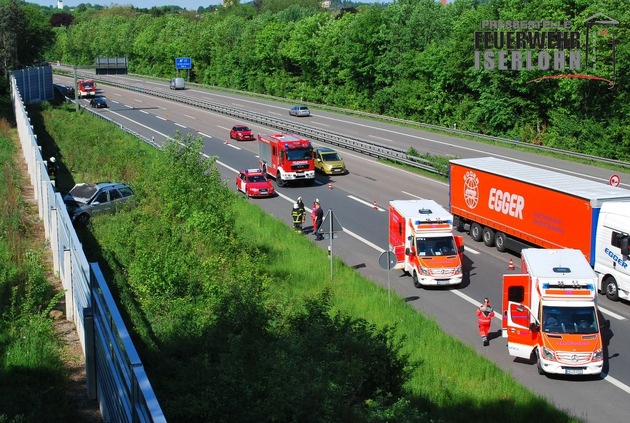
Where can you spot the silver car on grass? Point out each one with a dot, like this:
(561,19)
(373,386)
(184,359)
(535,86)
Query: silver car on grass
(86,200)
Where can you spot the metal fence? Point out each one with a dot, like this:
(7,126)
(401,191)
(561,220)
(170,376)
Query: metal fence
(115,374)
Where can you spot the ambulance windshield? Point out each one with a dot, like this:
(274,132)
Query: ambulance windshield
(557,319)
(438,246)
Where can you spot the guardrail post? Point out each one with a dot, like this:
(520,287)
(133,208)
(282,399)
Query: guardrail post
(90,356)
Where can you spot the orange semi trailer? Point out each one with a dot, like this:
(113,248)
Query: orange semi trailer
(514,206)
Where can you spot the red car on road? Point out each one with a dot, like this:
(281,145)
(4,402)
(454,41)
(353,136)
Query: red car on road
(254,183)
(241,133)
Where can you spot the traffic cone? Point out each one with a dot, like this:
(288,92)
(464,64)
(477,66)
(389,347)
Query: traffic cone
(375,207)
(329,185)
(511,265)
(226,141)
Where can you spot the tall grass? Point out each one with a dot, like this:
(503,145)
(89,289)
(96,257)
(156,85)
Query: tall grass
(33,381)
(450,382)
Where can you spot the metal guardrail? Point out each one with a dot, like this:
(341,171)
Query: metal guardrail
(365,147)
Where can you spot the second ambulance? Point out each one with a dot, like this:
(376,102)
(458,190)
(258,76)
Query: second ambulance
(421,237)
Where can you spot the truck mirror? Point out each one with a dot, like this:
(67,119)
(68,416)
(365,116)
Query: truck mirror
(460,249)
(407,251)
(534,327)
(606,325)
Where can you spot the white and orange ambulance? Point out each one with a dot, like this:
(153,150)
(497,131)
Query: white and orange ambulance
(550,312)
(421,237)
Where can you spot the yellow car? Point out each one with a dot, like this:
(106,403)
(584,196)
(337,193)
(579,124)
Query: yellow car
(328,161)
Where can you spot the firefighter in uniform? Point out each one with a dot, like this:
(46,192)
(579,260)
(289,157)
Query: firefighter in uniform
(298,217)
(300,204)
(484,319)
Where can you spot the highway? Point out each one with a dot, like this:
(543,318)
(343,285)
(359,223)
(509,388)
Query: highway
(352,198)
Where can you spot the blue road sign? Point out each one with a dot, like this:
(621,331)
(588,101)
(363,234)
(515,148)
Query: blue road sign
(183,63)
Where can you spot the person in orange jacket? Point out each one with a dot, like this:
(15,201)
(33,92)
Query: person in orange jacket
(484,319)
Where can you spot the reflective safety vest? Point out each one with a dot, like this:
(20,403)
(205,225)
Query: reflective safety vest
(297,215)
(484,318)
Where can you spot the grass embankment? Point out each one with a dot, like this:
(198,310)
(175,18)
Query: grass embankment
(33,381)
(236,316)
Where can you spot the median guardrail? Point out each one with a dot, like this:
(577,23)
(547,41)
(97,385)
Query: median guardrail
(362,146)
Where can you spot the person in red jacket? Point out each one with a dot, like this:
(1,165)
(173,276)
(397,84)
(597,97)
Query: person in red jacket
(484,319)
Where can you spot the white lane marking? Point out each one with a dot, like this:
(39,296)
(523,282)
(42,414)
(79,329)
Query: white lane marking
(179,124)
(234,147)
(611,314)
(188,116)
(319,123)
(140,124)
(144,111)
(160,117)
(205,135)
(139,101)
(223,127)
(128,106)
(615,382)
(380,138)
(366,203)
(412,195)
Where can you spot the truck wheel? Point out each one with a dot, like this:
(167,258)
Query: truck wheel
(476,232)
(488,236)
(612,291)
(499,241)
(416,282)
(279,180)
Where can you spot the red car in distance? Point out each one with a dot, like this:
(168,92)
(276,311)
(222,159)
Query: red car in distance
(241,133)
(254,183)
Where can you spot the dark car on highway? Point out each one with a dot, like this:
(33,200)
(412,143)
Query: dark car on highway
(65,90)
(98,102)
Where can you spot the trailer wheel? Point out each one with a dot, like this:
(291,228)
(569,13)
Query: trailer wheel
(499,241)
(416,282)
(612,291)
(488,236)
(476,232)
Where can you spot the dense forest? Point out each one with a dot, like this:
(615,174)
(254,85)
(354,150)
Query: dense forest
(411,58)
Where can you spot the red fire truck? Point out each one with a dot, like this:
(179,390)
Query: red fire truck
(86,88)
(287,158)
